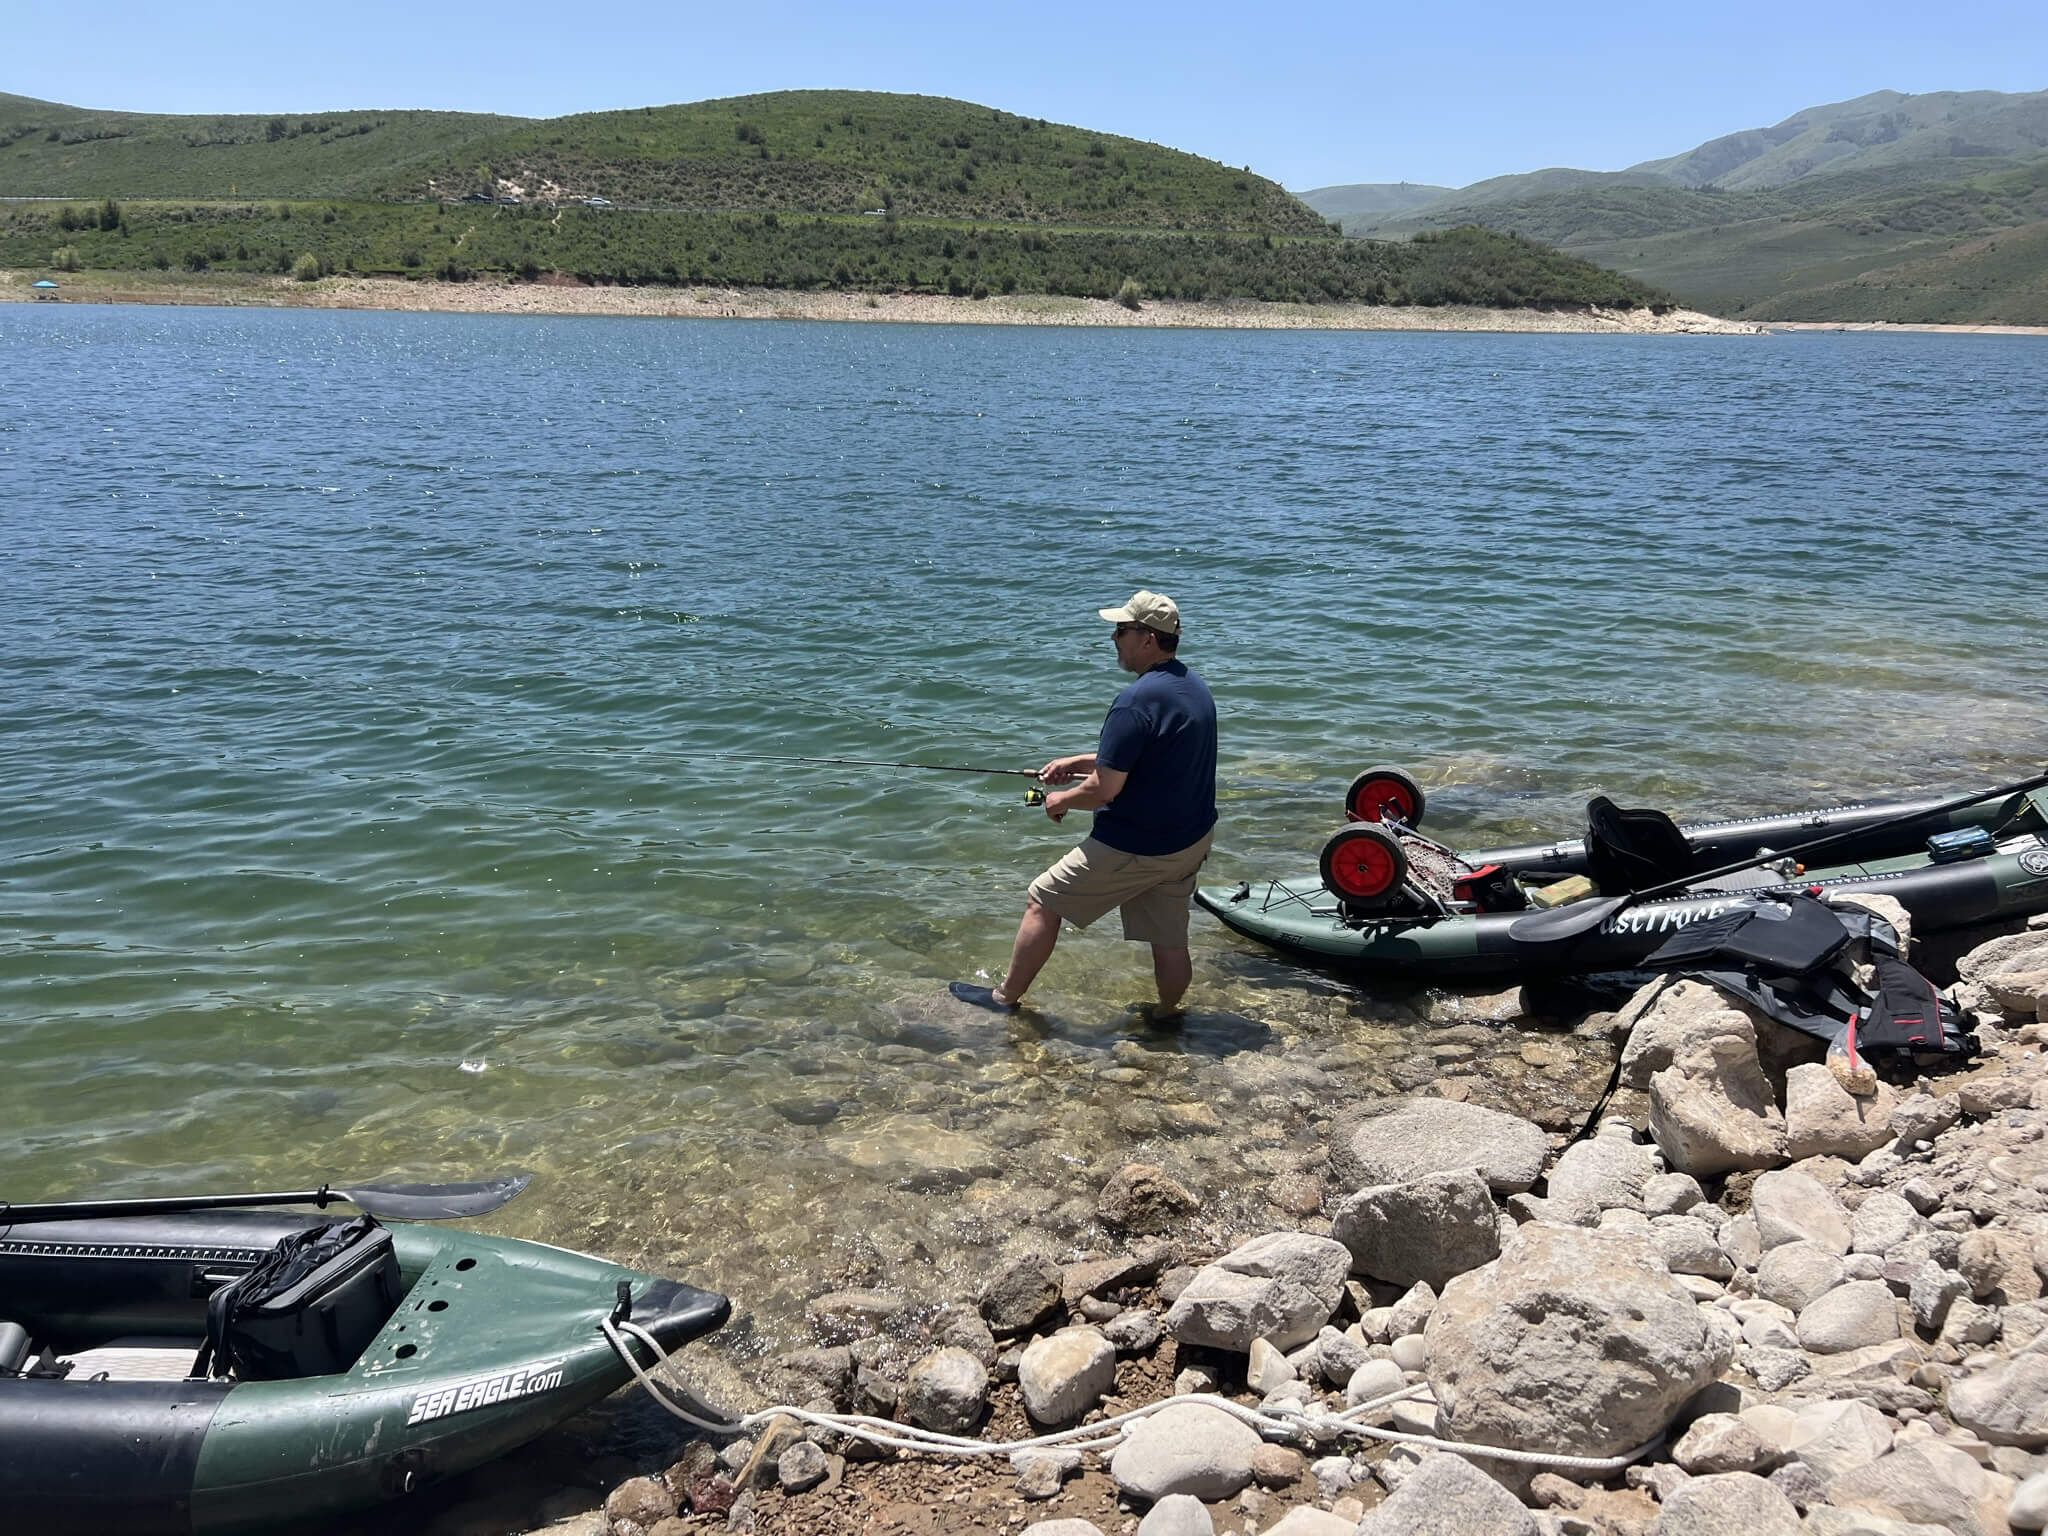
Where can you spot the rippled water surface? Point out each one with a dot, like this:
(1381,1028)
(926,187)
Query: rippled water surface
(375,686)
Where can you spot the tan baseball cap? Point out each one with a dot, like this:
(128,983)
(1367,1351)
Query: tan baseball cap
(1154,610)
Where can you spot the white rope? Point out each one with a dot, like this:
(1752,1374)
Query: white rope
(1282,1420)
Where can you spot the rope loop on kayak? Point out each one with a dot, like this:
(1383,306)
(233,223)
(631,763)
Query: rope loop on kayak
(1277,1421)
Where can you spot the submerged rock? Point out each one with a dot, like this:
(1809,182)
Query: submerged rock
(1394,1141)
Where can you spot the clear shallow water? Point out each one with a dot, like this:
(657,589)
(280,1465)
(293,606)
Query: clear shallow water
(366,678)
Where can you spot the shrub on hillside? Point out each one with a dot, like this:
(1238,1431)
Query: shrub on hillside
(307,268)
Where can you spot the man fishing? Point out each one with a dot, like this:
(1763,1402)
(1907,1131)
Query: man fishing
(1151,782)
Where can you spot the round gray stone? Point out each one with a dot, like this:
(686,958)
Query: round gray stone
(1188,1448)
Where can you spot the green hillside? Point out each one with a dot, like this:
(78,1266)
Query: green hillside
(797,151)
(48,150)
(2000,279)
(1825,208)
(794,189)
(846,151)
(1749,253)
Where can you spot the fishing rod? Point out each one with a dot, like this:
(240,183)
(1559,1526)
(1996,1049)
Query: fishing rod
(862,762)
(1033,796)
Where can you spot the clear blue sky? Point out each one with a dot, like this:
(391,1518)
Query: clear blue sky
(1308,93)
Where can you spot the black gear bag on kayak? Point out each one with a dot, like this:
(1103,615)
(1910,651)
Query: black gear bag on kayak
(308,1308)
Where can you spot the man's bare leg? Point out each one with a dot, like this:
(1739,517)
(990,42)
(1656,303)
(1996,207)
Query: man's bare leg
(1172,969)
(1036,936)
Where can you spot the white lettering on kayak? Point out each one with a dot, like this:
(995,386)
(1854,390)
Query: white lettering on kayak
(1664,920)
(482,1391)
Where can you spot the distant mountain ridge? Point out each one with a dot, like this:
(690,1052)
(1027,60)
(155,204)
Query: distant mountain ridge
(1882,128)
(1371,197)
(1786,221)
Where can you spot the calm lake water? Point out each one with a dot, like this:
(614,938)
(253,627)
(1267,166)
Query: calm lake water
(373,689)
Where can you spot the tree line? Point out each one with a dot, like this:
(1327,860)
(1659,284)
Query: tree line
(455,242)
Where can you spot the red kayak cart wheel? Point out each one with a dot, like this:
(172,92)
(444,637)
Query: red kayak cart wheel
(1379,793)
(1364,867)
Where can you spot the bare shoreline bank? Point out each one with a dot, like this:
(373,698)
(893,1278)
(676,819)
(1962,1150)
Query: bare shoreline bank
(558,298)
(1928,328)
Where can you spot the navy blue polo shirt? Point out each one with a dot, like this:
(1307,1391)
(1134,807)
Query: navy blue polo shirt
(1161,731)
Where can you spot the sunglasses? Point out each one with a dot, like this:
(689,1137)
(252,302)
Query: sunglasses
(1128,629)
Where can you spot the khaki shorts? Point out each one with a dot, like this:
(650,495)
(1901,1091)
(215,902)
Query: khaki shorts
(1153,892)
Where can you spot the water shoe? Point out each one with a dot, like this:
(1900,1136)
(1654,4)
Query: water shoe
(979,997)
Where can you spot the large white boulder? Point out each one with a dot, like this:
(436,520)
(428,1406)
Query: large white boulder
(1178,1514)
(1281,1288)
(1728,1504)
(1655,1021)
(1597,1174)
(2029,1508)
(1429,1229)
(1445,1495)
(1063,1375)
(1795,1275)
(1303,1521)
(1575,1340)
(1188,1448)
(1839,1436)
(1824,1119)
(1932,1483)
(2013,970)
(947,1391)
(1854,1315)
(1711,1110)
(2007,1404)
(1883,1222)
(1792,1207)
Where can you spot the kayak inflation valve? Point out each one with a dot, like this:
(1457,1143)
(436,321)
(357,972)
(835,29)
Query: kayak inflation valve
(623,1311)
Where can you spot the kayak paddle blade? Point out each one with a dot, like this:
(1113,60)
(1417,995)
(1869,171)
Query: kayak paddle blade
(435,1202)
(1565,922)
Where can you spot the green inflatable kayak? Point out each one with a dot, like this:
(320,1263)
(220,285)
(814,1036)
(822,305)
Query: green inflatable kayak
(380,1359)
(1389,902)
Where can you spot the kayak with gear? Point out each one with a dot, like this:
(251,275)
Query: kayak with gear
(216,1370)
(1389,901)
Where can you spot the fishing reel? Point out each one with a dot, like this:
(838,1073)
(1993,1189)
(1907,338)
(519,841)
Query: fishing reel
(1034,796)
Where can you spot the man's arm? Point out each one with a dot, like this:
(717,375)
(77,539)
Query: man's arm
(1100,787)
(1063,770)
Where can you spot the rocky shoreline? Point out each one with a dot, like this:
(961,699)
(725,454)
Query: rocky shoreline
(564,296)
(1819,1297)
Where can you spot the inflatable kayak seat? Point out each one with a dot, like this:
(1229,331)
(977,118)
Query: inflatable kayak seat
(308,1309)
(1633,850)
